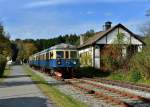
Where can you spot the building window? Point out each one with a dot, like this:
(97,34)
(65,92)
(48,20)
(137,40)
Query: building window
(131,50)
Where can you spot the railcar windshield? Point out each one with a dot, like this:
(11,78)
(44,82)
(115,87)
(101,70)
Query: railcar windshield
(60,54)
(73,54)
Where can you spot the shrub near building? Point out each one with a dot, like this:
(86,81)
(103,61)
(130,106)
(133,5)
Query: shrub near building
(139,67)
(140,63)
(2,64)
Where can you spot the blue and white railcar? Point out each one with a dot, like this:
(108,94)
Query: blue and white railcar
(62,57)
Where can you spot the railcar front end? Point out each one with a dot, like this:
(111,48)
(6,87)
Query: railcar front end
(60,59)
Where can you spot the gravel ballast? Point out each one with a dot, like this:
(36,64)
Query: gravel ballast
(89,99)
(67,89)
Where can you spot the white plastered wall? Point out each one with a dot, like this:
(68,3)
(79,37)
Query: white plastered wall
(109,39)
(97,57)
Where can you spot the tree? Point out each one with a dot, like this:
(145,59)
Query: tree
(141,61)
(148,13)
(21,51)
(29,50)
(4,43)
(14,51)
(2,64)
(5,49)
(145,28)
(88,34)
(25,49)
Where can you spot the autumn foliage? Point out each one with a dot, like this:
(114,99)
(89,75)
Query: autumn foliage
(112,55)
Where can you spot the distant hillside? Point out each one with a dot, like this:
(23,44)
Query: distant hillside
(73,39)
(42,44)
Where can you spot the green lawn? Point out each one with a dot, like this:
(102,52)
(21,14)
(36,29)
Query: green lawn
(60,99)
(129,77)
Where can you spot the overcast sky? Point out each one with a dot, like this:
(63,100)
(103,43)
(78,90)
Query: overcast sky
(50,18)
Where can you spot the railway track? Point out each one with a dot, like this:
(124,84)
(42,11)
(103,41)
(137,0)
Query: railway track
(112,96)
(129,85)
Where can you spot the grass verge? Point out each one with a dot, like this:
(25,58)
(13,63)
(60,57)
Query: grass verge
(6,73)
(60,99)
(129,77)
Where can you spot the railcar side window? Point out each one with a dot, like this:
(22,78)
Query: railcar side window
(51,55)
(47,56)
(73,54)
(43,58)
(60,54)
(66,54)
(40,57)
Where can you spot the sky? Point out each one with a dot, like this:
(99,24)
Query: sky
(37,19)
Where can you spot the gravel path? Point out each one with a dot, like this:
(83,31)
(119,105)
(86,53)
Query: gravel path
(18,90)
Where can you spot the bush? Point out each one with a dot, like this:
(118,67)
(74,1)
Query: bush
(117,76)
(84,72)
(141,61)
(135,76)
(2,64)
(89,72)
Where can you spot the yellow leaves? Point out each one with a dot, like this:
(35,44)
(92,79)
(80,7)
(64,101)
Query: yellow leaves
(26,49)
(5,48)
(30,48)
(86,59)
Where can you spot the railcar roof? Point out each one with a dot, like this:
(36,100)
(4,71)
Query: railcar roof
(63,46)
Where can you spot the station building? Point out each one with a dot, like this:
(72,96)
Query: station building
(90,51)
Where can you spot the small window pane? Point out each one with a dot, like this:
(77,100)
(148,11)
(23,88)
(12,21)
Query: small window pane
(60,54)
(47,56)
(51,55)
(67,54)
(73,54)
(42,57)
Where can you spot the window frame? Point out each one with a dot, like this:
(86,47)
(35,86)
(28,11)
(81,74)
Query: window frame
(47,55)
(73,56)
(61,56)
(67,56)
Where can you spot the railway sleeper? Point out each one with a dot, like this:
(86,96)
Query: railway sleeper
(124,94)
(112,100)
(127,85)
(106,97)
(129,95)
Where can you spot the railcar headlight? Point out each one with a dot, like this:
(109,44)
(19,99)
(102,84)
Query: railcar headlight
(74,62)
(59,62)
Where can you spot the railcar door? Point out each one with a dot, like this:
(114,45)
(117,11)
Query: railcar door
(47,60)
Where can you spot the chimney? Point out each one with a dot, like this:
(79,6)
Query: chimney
(107,25)
(81,40)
